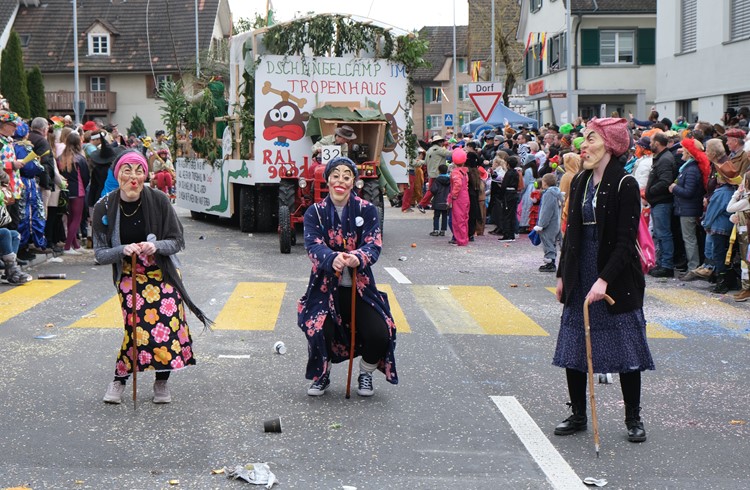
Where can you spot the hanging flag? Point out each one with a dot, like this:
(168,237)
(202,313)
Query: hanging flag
(476,67)
(528,43)
(534,44)
(544,46)
(269,13)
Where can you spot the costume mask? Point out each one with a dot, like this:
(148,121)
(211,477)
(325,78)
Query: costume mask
(340,184)
(131,178)
(592,150)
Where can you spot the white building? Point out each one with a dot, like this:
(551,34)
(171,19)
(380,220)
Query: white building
(613,61)
(701,56)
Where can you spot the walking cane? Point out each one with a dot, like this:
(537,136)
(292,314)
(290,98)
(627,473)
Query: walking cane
(134,330)
(590,362)
(353,326)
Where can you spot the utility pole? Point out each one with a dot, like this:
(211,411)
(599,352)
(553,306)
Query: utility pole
(569,64)
(492,79)
(455,70)
(76,89)
(197,52)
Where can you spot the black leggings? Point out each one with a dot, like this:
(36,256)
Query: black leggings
(160,376)
(630,383)
(372,331)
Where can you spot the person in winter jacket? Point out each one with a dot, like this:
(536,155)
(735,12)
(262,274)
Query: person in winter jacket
(548,225)
(688,192)
(740,206)
(458,199)
(440,188)
(662,202)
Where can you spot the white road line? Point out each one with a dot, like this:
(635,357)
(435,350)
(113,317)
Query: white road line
(397,275)
(558,471)
(234,356)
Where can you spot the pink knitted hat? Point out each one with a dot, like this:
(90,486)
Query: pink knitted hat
(614,132)
(131,157)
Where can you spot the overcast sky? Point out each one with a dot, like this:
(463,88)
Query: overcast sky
(406,14)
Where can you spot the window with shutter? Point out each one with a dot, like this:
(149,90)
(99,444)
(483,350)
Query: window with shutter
(739,20)
(646,46)
(589,47)
(688,23)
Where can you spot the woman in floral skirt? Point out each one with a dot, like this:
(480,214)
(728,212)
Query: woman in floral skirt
(134,219)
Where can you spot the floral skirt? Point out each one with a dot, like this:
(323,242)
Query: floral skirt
(163,338)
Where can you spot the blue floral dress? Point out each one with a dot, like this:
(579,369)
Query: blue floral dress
(618,341)
(357,232)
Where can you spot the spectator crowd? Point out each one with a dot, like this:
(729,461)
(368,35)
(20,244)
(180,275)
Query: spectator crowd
(693,179)
(54,173)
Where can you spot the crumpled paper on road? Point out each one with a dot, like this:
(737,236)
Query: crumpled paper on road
(255,473)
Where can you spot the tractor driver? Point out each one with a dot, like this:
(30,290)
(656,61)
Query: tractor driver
(340,137)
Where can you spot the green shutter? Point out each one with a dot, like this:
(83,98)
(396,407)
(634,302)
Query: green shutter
(461,94)
(426,91)
(589,47)
(646,42)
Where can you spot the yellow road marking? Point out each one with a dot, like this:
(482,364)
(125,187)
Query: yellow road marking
(107,315)
(252,306)
(709,307)
(654,330)
(402,326)
(494,313)
(22,298)
(445,312)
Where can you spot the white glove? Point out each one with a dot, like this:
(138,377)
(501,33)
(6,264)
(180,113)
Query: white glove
(538,228)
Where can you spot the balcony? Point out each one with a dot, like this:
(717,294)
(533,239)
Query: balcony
(98,102)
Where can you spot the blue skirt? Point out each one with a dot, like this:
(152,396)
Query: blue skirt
(618,341)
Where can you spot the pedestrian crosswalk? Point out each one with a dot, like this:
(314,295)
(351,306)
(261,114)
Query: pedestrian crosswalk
(446,309)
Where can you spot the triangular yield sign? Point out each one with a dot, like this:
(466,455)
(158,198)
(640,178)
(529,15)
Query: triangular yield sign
(485,103)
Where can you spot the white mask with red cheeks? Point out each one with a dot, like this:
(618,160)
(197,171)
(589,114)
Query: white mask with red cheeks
(131,179)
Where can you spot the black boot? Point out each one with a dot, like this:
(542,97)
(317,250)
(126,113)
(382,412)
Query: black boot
(636,432)
(722,286)
(574,423)
(13,273)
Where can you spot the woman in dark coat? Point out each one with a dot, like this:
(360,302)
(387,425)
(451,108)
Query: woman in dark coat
(599,256)
(75,171)
(342,233)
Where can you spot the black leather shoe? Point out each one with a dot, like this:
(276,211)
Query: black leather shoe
(636,432)
(661,272)
(574,423)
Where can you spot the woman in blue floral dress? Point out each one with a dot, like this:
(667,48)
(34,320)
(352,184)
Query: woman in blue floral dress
(138,220)
(599,256)
(342,233)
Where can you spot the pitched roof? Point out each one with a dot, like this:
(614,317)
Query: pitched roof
(440,47)
(7,8)
(170,30)
(612,7)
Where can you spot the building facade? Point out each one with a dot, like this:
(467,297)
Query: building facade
(126,50)
(613,57)
(700,52)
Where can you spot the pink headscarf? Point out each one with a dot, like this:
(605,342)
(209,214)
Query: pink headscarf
(614,132)
(131,157)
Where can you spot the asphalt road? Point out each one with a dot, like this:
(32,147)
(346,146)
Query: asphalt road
(475,407)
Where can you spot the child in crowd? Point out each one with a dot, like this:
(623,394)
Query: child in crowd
(535,195)
(440,189)
(548,225)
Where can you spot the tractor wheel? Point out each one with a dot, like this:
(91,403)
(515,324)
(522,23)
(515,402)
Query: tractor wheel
(265,209)
(287,190)
(381,217)
(371,192)
(285,230)
(248,221)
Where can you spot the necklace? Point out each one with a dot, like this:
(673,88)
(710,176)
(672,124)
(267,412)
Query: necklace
(131,214)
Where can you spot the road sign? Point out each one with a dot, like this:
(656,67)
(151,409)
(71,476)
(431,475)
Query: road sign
(448,122)
(485,96)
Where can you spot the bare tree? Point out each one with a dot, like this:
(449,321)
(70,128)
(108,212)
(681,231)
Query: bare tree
(508,51)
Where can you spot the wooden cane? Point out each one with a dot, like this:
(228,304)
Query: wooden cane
(590,362)
(134,330)
(353,326)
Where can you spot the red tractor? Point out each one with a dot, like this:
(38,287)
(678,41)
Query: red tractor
(300,187)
